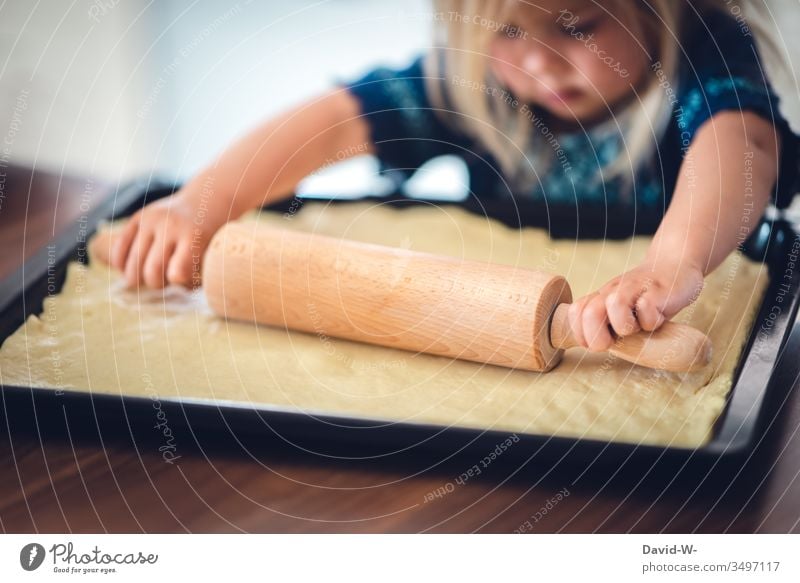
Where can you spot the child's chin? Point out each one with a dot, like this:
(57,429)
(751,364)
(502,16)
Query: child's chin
(576,112)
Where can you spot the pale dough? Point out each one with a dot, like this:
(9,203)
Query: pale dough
(96,336)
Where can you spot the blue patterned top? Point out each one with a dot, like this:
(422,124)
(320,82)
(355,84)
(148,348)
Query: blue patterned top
(721,71)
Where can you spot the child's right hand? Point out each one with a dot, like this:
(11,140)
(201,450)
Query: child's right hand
(163,243)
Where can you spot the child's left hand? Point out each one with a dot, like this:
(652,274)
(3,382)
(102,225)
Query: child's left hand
(640,299)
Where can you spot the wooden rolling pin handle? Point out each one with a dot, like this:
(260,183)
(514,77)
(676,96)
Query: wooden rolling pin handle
(673,347)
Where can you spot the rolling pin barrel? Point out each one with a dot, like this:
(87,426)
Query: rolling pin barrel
(392,297)
(399,298)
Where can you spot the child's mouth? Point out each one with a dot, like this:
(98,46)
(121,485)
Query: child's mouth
(564,96)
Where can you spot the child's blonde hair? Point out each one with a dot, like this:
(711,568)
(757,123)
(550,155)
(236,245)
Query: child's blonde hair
(463,31)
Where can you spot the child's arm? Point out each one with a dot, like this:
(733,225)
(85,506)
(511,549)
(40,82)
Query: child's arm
(715,207)
(164,242)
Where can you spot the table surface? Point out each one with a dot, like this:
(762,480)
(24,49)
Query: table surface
(73,485)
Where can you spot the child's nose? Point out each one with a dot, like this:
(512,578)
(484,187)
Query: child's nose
(541,60)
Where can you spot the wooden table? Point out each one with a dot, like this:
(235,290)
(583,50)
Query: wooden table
(68,484)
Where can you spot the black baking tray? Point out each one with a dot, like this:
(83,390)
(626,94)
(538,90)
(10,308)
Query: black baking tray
(762,376)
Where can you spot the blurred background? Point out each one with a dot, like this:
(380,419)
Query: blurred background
(114,89)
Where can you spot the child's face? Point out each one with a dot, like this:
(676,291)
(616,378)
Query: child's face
(576,61)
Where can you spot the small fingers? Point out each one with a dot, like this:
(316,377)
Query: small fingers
(122,244)
(649,309)
(137,256)
(589,323)
(184,265)
(595,324)
(620,306)
(154,270)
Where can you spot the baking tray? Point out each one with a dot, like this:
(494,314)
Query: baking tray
(762,376)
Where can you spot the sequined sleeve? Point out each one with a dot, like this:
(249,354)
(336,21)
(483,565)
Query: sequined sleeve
(404,128)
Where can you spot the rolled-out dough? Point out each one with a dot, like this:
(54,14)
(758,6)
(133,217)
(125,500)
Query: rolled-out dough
(96,336)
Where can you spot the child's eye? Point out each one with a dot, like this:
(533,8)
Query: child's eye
(583,28)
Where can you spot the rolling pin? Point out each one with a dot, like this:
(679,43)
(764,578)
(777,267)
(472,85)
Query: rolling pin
(422,302)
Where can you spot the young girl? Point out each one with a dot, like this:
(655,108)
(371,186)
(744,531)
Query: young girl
(625,107)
